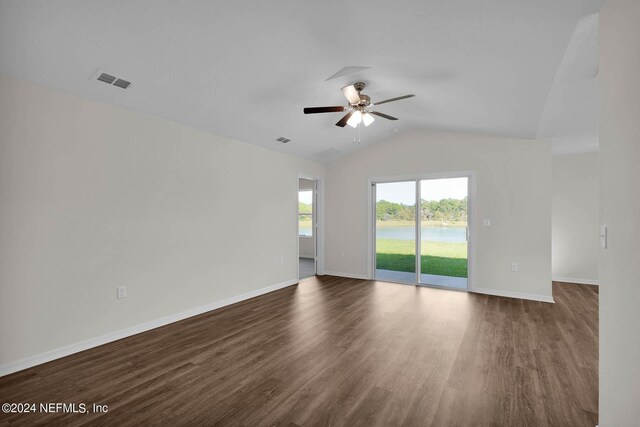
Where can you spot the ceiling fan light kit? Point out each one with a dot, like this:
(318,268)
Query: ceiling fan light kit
(355,119)
(359,108)
(367,119)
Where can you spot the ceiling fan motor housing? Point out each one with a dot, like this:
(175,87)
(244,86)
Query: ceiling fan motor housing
(365,101)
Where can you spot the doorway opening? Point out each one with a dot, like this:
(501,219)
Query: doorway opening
(421,231)
(307,227)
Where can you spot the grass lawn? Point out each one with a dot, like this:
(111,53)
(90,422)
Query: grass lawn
(423,223)
(445,259)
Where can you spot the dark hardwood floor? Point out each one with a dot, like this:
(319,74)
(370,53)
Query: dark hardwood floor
(336,351)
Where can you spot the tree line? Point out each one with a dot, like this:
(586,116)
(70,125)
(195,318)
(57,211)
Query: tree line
(430,210)
(304,207)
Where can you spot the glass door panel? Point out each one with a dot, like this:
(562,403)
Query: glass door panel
(395,231)
(444,232)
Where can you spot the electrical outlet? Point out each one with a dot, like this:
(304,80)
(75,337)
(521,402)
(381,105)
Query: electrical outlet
(341,254)
(122,292)
(514,267)
(486,223)
(281,260)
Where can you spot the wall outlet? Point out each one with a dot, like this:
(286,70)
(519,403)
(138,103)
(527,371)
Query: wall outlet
(122,292)
(281,260)
(486,223)
(341,254)
(514,266)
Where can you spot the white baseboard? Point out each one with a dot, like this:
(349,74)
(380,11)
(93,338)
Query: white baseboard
(575,280)
(513,294)
(347,275)
(487,291)
(57,353)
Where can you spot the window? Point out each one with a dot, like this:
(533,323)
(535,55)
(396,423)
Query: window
(305,209)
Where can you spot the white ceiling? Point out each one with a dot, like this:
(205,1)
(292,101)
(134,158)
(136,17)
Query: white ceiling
(245,69)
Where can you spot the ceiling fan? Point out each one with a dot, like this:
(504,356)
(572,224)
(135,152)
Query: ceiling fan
(358,108)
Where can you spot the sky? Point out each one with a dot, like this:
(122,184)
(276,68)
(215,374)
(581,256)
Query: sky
(305,196)
(431,189)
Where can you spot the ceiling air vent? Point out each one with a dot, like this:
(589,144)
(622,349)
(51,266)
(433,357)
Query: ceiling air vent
(111,80)
(104,77)
(122,83)
(283,140)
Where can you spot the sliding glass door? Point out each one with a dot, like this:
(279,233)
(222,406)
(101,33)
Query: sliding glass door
(395,237)
(421,231)
(444,232)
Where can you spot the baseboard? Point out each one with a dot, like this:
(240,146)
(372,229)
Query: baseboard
(57,353)
(575,280)
(347,275)
(513,294)
(494,292)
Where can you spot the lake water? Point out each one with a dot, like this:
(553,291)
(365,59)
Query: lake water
(304,229)
(430,234)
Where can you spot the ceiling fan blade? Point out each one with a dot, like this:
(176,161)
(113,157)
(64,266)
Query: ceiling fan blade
(383,115)
(343,121)
(393,99)
(315,110)
(352,94)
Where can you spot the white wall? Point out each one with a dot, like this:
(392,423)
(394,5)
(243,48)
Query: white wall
(306,245)
(575,218)
(620,210)
(513,190)
(93,197)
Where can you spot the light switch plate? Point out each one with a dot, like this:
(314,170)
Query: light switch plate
(603,236)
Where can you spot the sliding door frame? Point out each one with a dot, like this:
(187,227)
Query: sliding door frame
(471,220)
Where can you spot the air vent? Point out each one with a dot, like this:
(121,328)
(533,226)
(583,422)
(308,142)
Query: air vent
(283,140)
(112,80)
(122,83)
(104,77)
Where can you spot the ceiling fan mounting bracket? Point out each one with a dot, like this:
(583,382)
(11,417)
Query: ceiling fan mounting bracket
(359,86)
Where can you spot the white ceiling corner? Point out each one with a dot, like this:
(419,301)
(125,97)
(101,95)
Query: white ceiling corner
(570,115)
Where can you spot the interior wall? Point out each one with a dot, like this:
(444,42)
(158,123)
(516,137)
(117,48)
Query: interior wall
(93,197)
(306,245)
(513,180)
(620,211)
(575,218)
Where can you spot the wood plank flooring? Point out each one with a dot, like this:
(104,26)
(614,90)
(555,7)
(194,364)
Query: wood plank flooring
(336,351)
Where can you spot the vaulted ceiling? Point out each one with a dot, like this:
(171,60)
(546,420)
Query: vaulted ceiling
(245,69)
